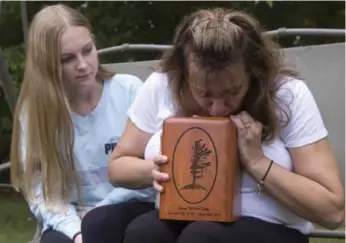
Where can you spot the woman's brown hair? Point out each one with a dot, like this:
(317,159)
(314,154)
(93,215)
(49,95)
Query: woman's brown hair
(219,37)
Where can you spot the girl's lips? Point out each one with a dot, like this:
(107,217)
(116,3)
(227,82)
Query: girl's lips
(83,76)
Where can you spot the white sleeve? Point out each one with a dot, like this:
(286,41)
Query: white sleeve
(66,222)
(306,124)
(144,110)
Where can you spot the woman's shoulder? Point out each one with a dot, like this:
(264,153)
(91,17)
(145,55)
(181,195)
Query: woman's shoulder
(124,81)
(299,107)
(156,81)
(292,88)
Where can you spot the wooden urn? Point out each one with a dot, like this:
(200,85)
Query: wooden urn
(203,167)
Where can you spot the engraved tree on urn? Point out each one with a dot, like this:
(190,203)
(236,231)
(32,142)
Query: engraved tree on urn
(199,164)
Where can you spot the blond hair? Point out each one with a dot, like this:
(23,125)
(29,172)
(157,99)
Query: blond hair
(217,38)
(42,102)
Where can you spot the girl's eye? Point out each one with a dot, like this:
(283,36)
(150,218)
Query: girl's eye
(87,51)
(66,59)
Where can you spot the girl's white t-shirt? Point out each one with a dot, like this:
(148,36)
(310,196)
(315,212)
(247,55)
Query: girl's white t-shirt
(154,104)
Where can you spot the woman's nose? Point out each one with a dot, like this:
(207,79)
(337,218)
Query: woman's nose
(218,107)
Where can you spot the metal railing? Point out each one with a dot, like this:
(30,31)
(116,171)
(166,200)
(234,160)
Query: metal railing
(328,234)
(134,47)
(281,32)
(306,32)
(5,166)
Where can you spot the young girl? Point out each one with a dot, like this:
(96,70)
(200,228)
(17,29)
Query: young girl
(69,117)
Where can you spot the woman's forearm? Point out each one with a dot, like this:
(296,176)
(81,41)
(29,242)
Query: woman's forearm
(134,173)
(303,196)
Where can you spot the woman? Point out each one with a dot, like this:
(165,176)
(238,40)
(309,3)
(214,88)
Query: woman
(222,65)
(69,117)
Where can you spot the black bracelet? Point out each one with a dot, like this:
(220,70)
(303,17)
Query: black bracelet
(260,185)
(75,235)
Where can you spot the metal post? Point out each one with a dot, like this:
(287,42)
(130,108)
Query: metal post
(0,7)
(24,17)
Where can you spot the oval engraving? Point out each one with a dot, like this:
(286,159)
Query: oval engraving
(194,165)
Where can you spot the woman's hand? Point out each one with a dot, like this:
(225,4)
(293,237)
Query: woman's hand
(249,132)
(157,175)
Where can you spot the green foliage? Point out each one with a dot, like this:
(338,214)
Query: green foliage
(17,224)
(269,2)
(6,125)
(15,58)
(10,21)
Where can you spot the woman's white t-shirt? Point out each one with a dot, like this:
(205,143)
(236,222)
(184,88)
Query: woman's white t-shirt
(153,105)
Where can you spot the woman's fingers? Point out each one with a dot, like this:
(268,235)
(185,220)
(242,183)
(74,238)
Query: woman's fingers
(238,122)
(158,176)
(248,126)
(247,120)
(157,186)
(160,159)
